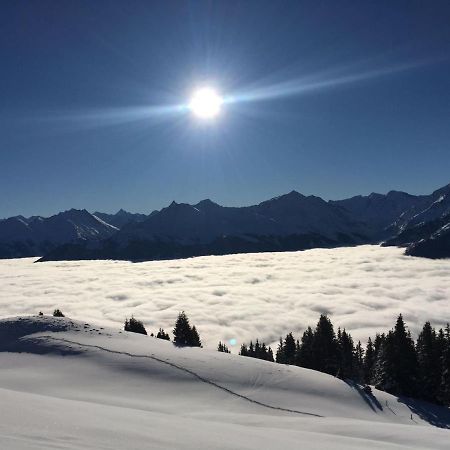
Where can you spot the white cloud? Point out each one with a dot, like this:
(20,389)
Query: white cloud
(241,296)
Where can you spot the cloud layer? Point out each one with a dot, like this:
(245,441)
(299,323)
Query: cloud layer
(239,297)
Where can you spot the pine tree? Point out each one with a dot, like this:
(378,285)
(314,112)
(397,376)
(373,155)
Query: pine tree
(134,326)
(244,350)
(383,373)
(195,338)
(257,350)
(396,365)
(346,352)
(289,349)
(280,353)
(305,355)
(182,332)
(269,355)
(444,386)
(222,348)
(369,362)
(429,363)
(358,371)
(325,347)
(163,335)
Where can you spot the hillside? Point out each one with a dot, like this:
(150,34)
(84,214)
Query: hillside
(74,385)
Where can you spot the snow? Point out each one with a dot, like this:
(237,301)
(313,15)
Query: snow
(79,386)
(241,297)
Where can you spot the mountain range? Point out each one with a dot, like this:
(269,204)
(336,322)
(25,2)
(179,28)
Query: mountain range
(293,221)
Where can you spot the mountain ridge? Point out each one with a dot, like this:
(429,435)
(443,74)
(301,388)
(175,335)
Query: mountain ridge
(291,221)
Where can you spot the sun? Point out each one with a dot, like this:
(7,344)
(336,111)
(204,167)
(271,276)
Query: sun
(206,103)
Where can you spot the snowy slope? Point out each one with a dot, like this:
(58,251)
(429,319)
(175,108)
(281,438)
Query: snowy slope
(80,387)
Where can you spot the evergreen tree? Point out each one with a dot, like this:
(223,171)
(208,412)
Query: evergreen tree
(325,347)
(222,348)
(346,352)
(429,363)
(383,372)
(444,386)
(280,353)
(289,349)
(358,363)
(397,363)
(195,338)
(369,362)
(257,350)
(134,326)
(244,350)
(182,332)
(305,351)
(269,355)
(163,335)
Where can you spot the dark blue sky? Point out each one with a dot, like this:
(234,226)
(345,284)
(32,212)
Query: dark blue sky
(76,75)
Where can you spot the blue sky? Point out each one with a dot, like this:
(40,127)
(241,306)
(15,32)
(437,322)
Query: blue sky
(76,75)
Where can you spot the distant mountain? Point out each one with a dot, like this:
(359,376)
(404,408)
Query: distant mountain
(285,223)
(382,212)
(21,237)
(436,244)
(425,232)
(289,222)
(120,218)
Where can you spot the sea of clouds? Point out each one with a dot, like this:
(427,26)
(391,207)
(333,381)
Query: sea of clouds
(236,298)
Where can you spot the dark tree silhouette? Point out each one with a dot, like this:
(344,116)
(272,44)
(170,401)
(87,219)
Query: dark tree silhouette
(429,362)
(184,334)
(134,326)
(163,335)
(325,347)
(223,348)
(195,338)
(58,313)
(305,352)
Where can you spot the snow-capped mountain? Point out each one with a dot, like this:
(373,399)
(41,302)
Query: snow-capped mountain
(425,232)
(384,213)
(288,214)
(436,244)
(285,223)
(289,222)
(37,235)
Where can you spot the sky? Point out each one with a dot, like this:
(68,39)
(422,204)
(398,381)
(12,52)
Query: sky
(327,98)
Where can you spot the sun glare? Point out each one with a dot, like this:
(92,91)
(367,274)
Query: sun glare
(205,103)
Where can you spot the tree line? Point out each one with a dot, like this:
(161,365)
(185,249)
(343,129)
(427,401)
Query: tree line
(391,361)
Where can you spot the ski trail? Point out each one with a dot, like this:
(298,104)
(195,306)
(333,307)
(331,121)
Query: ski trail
(183,369)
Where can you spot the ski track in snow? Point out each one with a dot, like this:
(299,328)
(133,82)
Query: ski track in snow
(183,369)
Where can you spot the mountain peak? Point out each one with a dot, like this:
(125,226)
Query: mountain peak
(206,203)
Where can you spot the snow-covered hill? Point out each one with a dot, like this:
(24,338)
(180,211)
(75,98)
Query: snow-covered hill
(67,384)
